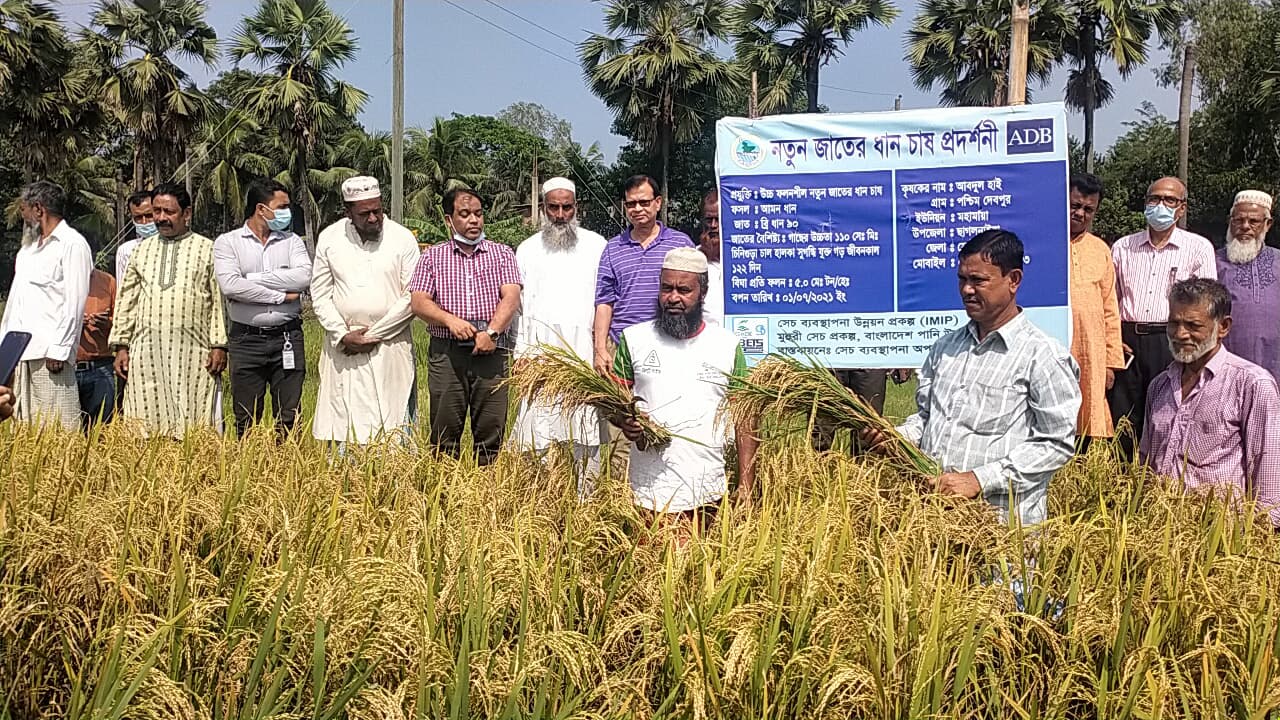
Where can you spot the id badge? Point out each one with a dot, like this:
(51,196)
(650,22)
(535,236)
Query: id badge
(287,356)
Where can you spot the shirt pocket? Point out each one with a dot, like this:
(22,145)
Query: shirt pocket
(42,271)
(987,409)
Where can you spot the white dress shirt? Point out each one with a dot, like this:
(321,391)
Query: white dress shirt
(123,253)
(255,278)
(50,286)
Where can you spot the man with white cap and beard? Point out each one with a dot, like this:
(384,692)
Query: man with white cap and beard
(1248,268)
(558,266)
(360,292)
(679,368)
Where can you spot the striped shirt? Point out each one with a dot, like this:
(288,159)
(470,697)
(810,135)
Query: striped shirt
(1222,433)
(1004,408)
(465,285)
(1144,273)
(629,274)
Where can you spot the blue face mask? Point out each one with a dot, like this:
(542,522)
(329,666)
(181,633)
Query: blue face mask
(145,230)
(282,221)
(1160,216)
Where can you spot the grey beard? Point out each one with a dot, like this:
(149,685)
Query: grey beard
(680,327)
(1198,352)
(1242,252)
(560,237)
(30,234)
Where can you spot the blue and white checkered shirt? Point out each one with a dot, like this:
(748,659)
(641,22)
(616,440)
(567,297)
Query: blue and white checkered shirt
(1004,408)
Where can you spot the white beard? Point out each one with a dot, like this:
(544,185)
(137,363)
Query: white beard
(30,234)
(560,238)
(1242,252)
(1199,351)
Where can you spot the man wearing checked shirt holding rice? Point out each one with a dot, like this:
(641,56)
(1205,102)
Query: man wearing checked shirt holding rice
(997,398)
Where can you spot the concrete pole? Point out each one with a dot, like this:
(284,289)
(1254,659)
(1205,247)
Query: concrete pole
(1018,53)
(397,113)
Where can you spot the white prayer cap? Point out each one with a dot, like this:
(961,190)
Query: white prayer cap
(559,183)
(361,187)
(685,259)
(1253,197)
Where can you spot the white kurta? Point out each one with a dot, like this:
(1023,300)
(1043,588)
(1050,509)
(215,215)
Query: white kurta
(713,305)
(557,308)
(358,285)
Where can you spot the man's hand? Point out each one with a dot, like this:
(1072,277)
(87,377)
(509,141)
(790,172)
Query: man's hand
(354,342)
(963,484)
(121,365)
(291,297)
(55,366)
(1111,378)
(217,361)
(461,329)
(873,439)
(631,429)
(901,375)
(603,362)
(519,364)
(6,403)
(484,344)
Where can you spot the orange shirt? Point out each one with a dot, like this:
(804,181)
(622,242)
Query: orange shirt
(98,311)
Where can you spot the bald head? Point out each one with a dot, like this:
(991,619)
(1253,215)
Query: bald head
(1168,186)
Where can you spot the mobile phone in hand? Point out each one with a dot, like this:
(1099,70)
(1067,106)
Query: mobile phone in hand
(11,349)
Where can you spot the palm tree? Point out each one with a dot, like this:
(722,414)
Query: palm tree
(653,65)
(136,44)
(44,89)
(368,153)
(777,34)
(963,46)
(436,162)
(1115,30)
(301,44)
(225,160)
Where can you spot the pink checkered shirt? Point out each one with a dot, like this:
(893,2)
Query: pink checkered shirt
(465,285)
(1222,434)
(1144,274)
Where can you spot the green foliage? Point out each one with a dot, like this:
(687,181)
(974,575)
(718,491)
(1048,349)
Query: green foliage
(962,46)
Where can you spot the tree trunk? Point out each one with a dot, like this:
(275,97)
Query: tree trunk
(664,150)
(303,187)
(1090,91)
(811,83)
(1184,109)
(137,168)
(157,165)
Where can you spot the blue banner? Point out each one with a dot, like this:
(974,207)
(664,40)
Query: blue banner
(840,233)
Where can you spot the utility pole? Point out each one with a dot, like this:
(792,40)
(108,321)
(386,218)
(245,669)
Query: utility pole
(397,113)
(534,219)
(753,111)
(1018,53)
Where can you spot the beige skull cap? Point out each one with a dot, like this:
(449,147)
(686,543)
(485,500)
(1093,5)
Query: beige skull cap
(1254,197)
(685,259)
(361,187)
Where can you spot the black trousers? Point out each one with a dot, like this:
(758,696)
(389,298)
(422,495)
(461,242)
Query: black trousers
(870,385)
(1151,356)
(256,357)
(462,386)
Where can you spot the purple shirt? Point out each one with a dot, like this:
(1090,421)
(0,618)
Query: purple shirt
(629,274)
(1255,308)
(1222,434)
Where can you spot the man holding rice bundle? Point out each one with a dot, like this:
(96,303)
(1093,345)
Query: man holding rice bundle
(997,398)
(679,368)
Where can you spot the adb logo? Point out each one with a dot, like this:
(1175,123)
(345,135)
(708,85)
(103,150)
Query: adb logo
(1029,136)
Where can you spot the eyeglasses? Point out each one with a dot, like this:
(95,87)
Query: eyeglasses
(554,207)
(1166,200)
(640,202)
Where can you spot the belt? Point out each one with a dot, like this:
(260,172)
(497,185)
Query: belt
(1147,328)
(291,326)
(95,362)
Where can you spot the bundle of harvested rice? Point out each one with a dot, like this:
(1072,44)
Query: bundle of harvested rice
(558,377)
(784,386)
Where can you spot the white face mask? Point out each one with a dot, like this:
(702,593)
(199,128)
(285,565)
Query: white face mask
(463,239)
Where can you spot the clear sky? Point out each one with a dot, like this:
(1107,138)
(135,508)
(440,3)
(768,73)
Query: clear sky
(458,60)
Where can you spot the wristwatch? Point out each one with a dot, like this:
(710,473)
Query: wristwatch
(493,334)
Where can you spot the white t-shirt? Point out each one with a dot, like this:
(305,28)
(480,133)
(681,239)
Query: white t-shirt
(682,383)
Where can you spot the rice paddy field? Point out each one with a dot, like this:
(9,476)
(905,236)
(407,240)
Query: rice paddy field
(214,579)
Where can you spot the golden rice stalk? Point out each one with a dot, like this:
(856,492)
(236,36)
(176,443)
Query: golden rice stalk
(558,377)
(784,386)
